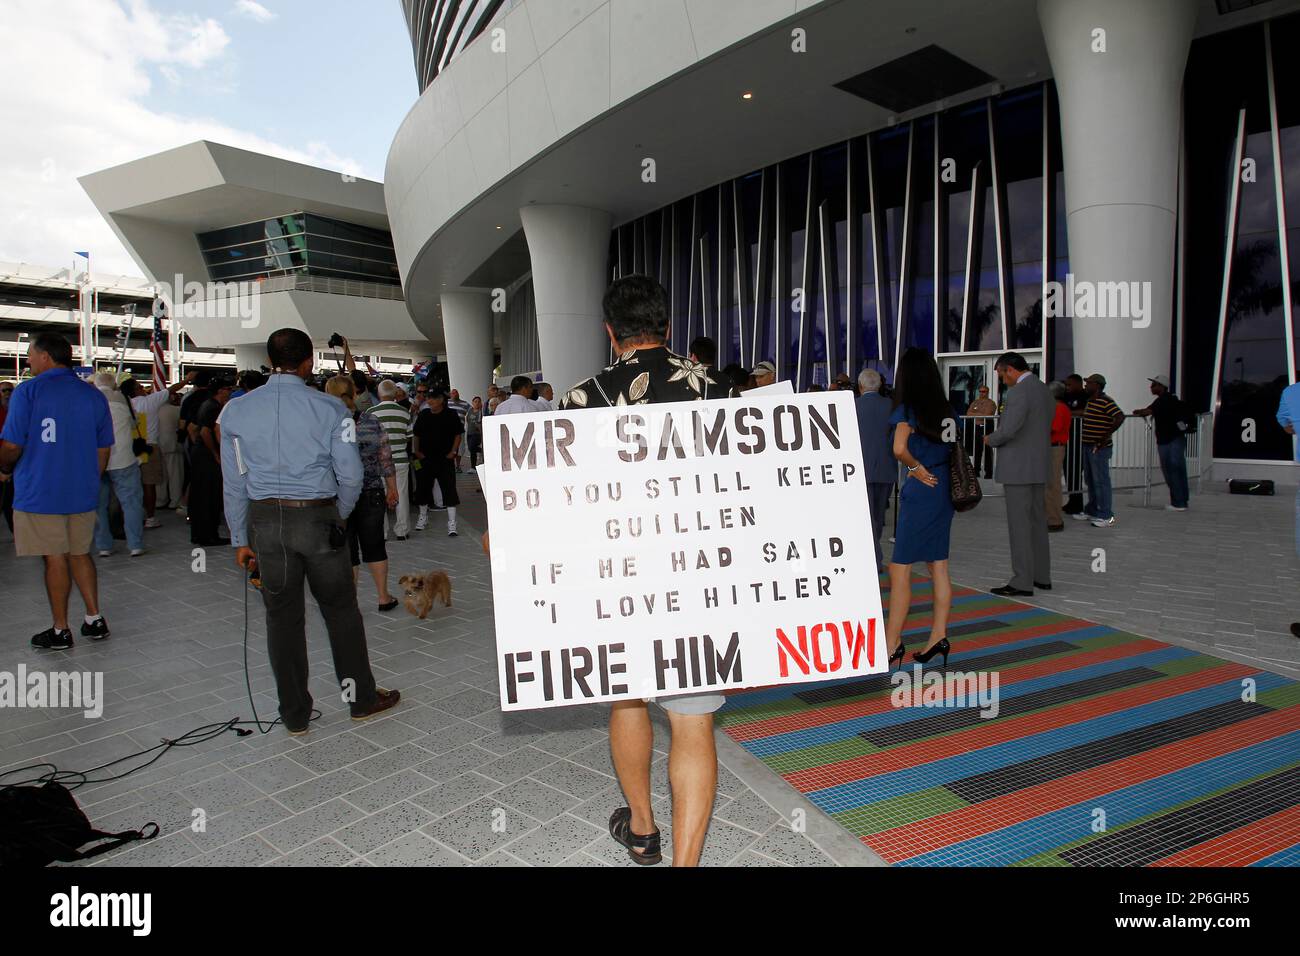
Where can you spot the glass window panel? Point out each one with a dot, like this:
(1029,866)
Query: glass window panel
(920,298)
(890,156)
(794,176)
(1254,369)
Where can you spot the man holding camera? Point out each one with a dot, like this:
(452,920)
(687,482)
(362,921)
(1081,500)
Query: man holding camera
(292,476)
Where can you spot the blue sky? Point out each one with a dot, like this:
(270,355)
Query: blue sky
(337,72)
(96,83)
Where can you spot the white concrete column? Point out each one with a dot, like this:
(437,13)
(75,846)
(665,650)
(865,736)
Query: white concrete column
(251,357)
(569,248)
(1120,118)
(467,326)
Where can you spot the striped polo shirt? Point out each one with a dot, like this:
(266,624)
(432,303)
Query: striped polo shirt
(1100,418)
(397,425)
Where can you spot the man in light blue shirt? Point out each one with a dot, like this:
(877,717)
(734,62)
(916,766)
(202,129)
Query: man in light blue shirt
(1288,416)
(292,474)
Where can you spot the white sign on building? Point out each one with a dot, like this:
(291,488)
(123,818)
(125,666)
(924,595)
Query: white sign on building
(651,550)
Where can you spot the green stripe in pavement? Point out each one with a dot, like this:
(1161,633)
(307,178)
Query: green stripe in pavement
(1288,695)
(898,811)
(820,755)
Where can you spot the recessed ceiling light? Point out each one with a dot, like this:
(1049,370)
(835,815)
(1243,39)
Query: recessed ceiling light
(747,95)
(498,227)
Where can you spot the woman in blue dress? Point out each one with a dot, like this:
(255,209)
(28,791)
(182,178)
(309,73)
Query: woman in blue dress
(922,419)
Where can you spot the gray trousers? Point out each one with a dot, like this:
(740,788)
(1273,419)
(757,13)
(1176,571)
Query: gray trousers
(294,549)
(1031,557)
(878,501)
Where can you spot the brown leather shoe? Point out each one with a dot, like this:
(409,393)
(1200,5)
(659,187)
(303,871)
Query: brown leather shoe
(384,700)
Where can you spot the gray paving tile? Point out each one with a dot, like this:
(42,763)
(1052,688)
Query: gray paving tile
(415,849)
(302,828)
(316,791)
(559,839)
(383,793)
(324,852)
(383,827)
(455,793)
(571,778)
(535,799)
(334,752)
(480,828)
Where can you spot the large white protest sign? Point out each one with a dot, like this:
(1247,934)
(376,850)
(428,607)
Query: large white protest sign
(651,550)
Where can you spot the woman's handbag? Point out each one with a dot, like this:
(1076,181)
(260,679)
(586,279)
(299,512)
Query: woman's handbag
(963,483)
(139,444)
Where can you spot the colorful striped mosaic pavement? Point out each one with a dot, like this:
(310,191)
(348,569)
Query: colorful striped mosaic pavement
(1108,749)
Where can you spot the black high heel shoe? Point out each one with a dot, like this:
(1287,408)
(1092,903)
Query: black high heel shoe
(899,651)
(943,647)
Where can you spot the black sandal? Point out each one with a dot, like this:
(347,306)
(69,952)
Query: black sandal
(620,828)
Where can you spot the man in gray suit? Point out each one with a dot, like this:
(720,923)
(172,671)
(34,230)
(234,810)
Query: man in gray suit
(1024,442)
(877,451)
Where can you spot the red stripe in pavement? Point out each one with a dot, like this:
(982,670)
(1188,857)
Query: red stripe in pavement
(945,829)
(821,716)
(992,733)
(1243,846)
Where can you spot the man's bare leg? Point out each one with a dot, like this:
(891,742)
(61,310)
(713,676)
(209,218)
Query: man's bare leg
(631,744)
(693,773)
(83,572)
(57,587)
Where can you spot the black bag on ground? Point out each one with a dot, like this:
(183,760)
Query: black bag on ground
(39,825)
(1250,486)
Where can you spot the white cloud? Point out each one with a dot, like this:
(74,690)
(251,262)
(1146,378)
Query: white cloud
(76,87)
(254,11)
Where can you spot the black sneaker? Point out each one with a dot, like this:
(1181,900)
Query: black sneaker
(97,631)
(53,640)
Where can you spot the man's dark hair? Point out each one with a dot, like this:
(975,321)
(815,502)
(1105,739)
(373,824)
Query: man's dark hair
(520,383)
(705,352)
(636,309)
(288,348)
(1074,377)
(130,388)
(202,378)
(251,379)
(360,381)
(56,347)
(737,375)
(1012,360)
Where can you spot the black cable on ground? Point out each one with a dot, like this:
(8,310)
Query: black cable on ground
(75,779)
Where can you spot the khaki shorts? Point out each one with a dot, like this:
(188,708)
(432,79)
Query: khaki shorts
(53,534)
(151,471)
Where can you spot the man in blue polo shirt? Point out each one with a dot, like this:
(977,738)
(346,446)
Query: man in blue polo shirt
(56,442)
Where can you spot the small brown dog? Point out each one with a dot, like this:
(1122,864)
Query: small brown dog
(421,589)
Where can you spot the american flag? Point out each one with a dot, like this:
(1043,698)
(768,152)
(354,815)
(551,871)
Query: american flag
(156,347)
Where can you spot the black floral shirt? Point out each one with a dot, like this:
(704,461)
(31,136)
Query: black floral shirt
(644,377)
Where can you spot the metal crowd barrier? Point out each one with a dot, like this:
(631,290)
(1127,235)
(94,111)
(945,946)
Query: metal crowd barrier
(1134,464)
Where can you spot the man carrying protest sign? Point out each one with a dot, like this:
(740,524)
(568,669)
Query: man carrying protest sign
(636,320)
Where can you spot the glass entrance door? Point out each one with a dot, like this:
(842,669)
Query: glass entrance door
(964,377)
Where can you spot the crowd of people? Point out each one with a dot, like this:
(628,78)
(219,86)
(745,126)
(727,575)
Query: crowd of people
(311,472)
